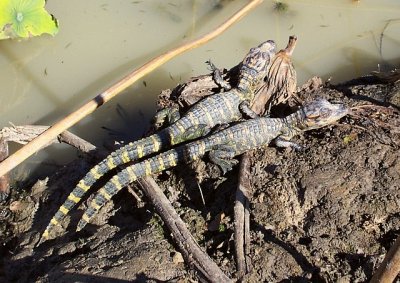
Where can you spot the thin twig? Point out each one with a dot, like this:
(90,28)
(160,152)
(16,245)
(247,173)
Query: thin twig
(390,266)
(191,251)
(242,217)
(384,109)
(36,144)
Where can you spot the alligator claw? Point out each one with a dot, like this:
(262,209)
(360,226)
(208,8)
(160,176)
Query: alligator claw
(226,165)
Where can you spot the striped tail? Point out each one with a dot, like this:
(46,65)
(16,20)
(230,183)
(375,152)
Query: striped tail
(125,154)
(131,173)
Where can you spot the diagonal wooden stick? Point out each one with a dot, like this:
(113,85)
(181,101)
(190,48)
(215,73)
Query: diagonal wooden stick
(192,252)
(242,217)
(33,146)
(390,267)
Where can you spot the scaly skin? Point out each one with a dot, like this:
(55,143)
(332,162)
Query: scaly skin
(223,146)
(221,108)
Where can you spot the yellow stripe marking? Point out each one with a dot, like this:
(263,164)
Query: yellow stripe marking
(222,113)
(171,159)
(208,115)
(193,120)
(104,193)
(202,148)
(162,165)
(95,205)
(125,156)
(147,167)
(64,210)
(228,105)
(82,186)
(110,163)
(54,221)
(156,143)
(45,234)
(139,149)
(131,173)
(116,183)
(73,198)
(181,128)
(85,218)
(95,172)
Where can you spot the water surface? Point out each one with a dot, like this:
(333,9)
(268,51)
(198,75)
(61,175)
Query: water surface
(43,79)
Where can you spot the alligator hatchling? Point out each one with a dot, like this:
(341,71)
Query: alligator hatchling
(220,108)
(221,148)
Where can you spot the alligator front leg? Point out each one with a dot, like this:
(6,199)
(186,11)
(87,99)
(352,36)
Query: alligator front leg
(245,109)
(222,155)
(217,76)
(280,142)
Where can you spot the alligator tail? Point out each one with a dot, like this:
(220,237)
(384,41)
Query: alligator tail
(131,173)
(125,154)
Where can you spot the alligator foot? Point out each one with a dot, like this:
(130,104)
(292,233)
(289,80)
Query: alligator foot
(279,142)
(244,107)
(217,76)
(222,155)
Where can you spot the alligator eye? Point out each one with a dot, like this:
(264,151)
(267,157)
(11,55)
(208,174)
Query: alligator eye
(325,112)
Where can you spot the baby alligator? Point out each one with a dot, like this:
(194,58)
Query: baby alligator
(221,148)
(221,108)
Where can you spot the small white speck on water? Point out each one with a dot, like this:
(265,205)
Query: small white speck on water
(20,17)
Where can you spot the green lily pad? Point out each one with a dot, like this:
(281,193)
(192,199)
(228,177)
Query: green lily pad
(25,18)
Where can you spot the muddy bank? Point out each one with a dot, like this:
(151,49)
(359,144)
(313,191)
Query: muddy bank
(328,213)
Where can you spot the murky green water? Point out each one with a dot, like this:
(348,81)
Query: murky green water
(43,79)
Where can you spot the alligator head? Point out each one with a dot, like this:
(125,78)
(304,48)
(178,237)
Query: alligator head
(257,60)
(319,113)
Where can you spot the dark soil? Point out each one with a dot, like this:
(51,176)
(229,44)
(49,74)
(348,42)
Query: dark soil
(326,214)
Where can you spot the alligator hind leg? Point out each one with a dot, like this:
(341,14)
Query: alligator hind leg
(192,133)
(222,155)
(217,76)
(169,114)
(195,132)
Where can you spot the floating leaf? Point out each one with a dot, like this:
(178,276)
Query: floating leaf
(25,18)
